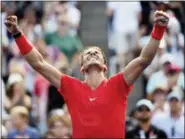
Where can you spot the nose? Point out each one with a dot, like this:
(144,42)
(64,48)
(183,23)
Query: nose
(92,53)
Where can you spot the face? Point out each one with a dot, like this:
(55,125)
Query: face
(18,89)
(59,129)
(143,114)
(175,105)
(92,57)
(17,120)
(159,96)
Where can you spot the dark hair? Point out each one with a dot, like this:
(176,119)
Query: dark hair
(10,90)
(94,47)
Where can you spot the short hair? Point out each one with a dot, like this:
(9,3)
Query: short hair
(94,47)
(21,111)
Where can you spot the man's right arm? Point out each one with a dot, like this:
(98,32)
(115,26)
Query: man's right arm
(33,57)
(37,62)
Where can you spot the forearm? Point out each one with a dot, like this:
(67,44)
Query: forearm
(33,57)
(149,51)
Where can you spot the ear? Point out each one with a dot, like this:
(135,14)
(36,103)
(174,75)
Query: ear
(82,70)
(105,68)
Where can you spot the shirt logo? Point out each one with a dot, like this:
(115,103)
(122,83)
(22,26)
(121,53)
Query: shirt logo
(92,99)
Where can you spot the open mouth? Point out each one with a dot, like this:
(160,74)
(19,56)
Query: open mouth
(92,57)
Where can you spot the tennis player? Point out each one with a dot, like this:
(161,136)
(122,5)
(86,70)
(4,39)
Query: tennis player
(98,104)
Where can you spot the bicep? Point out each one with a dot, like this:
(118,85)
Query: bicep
(133,70)
(51,74)
(35,59)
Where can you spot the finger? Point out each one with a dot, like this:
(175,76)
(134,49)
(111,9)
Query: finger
(12,18)
(161,13)
(9,23)
(162,19)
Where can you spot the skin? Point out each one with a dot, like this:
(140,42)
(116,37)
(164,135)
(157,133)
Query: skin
(18,122)
(92,68)
(175,108)
(144,115)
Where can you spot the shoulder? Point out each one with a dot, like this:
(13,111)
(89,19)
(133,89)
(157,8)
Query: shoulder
(133,133)
(69,82)
(12,133)
(33,131)
(118,83)
(160,132)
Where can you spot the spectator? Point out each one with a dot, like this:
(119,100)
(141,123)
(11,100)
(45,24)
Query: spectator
(16,94)
(67,44)
(145,129)
(175,76)
(158,97)
(125,35)
(160,75)
(58,124)
(173,122)
(72,13)
(21,129)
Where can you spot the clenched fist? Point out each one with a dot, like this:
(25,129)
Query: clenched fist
(161,18)
(12,25)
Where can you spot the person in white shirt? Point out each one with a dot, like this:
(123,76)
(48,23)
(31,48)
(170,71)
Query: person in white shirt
(126,17)
(173,122)
(161,75)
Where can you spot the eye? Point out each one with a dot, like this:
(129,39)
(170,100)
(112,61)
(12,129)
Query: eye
(87,53)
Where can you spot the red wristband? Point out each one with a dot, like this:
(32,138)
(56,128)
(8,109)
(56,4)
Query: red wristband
(23,44)
(158,31)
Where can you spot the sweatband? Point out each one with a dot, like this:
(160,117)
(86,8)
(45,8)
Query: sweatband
(158,31)
(23,44)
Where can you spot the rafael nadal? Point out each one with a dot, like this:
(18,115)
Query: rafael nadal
(97,105)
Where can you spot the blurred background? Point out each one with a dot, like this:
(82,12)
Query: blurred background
(60,31)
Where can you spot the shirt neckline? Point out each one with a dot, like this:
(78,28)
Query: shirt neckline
(97,88)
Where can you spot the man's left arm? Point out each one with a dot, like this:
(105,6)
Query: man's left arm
(134,69)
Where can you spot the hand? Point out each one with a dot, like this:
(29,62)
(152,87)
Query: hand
(11,24)
(161,18)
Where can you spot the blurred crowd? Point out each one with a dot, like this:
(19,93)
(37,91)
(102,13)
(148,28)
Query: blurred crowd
(33,108)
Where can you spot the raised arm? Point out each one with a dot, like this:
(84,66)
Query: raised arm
(134,69)
(33,57)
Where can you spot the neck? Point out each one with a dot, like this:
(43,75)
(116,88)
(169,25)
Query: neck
(175,114)
(94,77)
(145,126)
(21,127)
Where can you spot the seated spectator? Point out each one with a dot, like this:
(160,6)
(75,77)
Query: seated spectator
(16,94)
(21,129)
(125,36)
(175,76)
(64,8)
(67,44)
(160,75)
(173,122)
(158,97)
(72,13)
(58,124)
(145,129)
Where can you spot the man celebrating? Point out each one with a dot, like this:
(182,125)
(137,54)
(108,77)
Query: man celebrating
(97,105)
